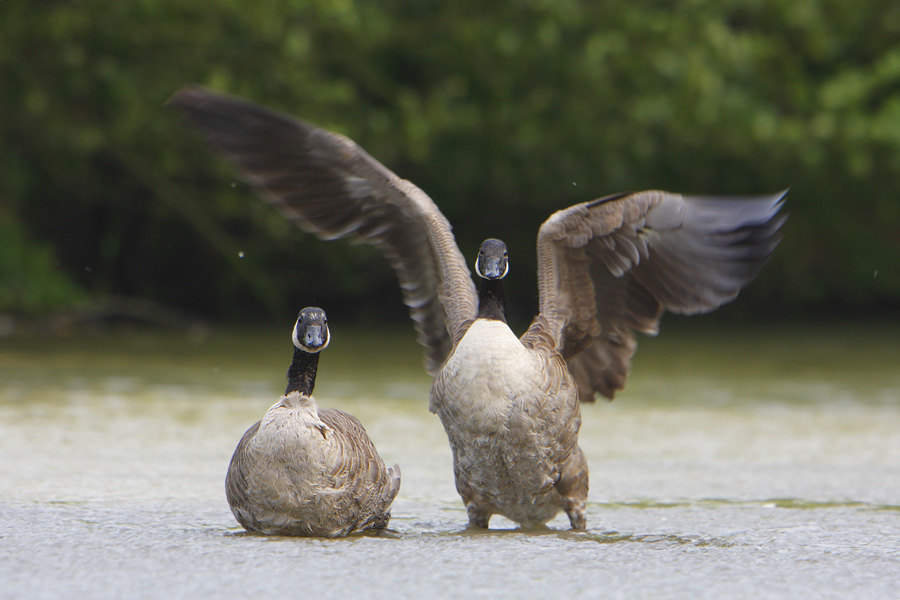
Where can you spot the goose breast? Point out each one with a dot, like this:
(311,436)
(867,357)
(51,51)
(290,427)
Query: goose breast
(511,413)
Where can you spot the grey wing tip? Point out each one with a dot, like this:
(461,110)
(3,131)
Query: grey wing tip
(766,228)
(193,96)
(772,201)
(776,202)
(208,110)
(759,214)
(776,198)
(214,111)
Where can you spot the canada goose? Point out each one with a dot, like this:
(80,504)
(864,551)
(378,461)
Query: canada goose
(305,471)
(606,269)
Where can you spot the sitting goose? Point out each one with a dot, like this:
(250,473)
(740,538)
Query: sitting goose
(606,269)
(305,471)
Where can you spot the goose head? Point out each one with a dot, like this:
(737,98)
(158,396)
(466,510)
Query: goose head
(311,331)
(493,260)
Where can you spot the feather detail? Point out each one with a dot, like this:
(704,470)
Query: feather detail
(612,266)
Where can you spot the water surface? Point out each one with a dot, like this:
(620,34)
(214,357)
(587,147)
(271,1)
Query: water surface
(738,463)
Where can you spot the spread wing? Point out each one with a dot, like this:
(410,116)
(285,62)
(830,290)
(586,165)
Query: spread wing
(332,188)
(610,267)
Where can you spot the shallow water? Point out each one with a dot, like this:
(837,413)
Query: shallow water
(738,464)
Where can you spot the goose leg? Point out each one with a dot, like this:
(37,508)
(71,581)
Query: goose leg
(382,520)
(577,517)
(479,511)
(573,488)
(479,515)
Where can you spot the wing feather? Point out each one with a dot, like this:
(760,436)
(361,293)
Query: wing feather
(359,465)
(611,267)
(330,187)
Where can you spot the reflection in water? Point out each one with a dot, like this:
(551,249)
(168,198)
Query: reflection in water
(739,464)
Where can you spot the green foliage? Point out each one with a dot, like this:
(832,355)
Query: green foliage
(29,282)
(502,112)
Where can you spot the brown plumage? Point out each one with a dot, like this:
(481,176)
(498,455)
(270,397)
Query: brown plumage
(606,268)
(305,471)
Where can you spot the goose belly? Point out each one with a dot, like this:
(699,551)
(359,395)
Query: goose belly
(512,417)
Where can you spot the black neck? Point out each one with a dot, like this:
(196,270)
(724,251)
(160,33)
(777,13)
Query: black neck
(491,300)
(302,372)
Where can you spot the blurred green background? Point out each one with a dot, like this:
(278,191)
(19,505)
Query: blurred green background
(502,112)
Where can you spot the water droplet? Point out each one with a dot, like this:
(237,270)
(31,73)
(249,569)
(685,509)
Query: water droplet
(876,273)
(573,183)
(241,254)
(234,184)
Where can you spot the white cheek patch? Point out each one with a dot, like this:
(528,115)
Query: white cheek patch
(294,337)
(478,268)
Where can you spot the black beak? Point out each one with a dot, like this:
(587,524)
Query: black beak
(494,267)
(313,338)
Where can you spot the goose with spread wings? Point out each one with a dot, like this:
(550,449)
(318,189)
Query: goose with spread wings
(606,269)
